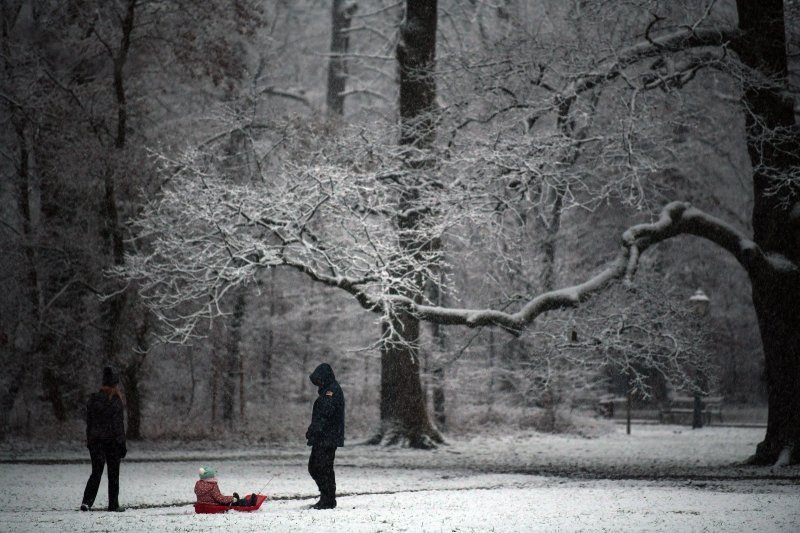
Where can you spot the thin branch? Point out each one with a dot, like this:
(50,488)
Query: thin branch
(272,91)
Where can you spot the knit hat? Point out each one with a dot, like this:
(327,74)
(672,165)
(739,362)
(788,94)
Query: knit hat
(110,377)
(206,472)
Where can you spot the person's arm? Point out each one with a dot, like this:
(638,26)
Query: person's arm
(324,409)
(219,497)
(89,419)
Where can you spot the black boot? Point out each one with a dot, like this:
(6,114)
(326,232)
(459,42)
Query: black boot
(325,503)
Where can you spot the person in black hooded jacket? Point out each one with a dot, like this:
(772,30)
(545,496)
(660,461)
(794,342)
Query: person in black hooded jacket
(325,434)
(105,438)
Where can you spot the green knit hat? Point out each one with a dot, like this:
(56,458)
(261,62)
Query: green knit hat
(206,472)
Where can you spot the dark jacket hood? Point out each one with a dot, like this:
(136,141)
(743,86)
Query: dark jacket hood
(322,376)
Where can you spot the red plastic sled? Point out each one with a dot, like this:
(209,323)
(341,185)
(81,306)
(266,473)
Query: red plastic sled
(210,508)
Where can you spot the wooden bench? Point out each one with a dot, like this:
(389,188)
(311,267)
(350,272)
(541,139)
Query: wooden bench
(679,408)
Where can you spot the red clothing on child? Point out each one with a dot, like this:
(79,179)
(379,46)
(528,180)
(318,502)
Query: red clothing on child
(207,491)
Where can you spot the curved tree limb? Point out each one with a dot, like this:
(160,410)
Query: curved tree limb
(680,40)
(677,218)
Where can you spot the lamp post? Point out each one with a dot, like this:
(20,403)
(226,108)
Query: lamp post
(699,302)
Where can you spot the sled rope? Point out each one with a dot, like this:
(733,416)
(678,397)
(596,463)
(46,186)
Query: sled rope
(265,485)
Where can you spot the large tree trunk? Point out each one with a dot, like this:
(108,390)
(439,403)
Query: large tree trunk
(773,143)
(404,414)
(775,300)
(18,361)
(342,14)
(115,305)
(131,380)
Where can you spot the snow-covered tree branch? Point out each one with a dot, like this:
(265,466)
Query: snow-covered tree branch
(331,220)
(677,218)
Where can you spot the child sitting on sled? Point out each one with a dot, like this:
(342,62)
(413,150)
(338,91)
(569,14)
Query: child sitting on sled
(207,491)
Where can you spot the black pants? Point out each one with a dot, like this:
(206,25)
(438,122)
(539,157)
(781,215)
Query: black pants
(103,452)
(320,466)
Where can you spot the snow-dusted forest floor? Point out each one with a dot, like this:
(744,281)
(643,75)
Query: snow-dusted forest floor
(664,478)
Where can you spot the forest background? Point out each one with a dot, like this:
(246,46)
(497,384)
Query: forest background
(107,107)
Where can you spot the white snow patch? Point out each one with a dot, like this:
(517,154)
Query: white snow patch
(411,490)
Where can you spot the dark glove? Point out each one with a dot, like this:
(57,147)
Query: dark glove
(123,450)
(236,496)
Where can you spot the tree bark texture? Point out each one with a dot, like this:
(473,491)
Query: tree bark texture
(404,414)
(232,361)
(440,343)
(133,401)
(19,364)
(131,380)
(342,13)
(115,304)
(416,57)
(773,143)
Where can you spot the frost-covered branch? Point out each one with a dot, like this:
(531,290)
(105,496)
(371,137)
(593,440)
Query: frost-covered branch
(677,41)
(677,218)
(332,218)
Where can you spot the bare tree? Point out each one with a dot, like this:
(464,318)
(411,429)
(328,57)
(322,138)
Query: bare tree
(226,235)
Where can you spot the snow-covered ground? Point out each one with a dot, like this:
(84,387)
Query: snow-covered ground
(660,478)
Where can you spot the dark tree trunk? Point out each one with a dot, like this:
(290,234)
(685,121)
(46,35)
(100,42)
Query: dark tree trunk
(439,412)
(440,347)
(116,304)
(232,361)
(773,143)
(342,14)
(133,401)
(131,379)
(266,364)
(18,363)
(404,414)
(550,240)
(228,389)
(52,391)
(416,57)
(778,313)
(214,381)
(193,380)
(266,360)
(9,395)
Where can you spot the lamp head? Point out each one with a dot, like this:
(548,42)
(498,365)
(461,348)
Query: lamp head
(699,302)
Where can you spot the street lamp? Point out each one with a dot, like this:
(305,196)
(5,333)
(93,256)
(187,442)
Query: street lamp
(699,302)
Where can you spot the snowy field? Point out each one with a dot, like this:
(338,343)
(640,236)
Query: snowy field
(660,478)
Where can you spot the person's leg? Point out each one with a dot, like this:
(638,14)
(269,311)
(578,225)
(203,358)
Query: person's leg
(113,459)
(98,462)
(314,466)
(246,501)
(328,477)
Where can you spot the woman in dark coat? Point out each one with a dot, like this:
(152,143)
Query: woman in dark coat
(105,438)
